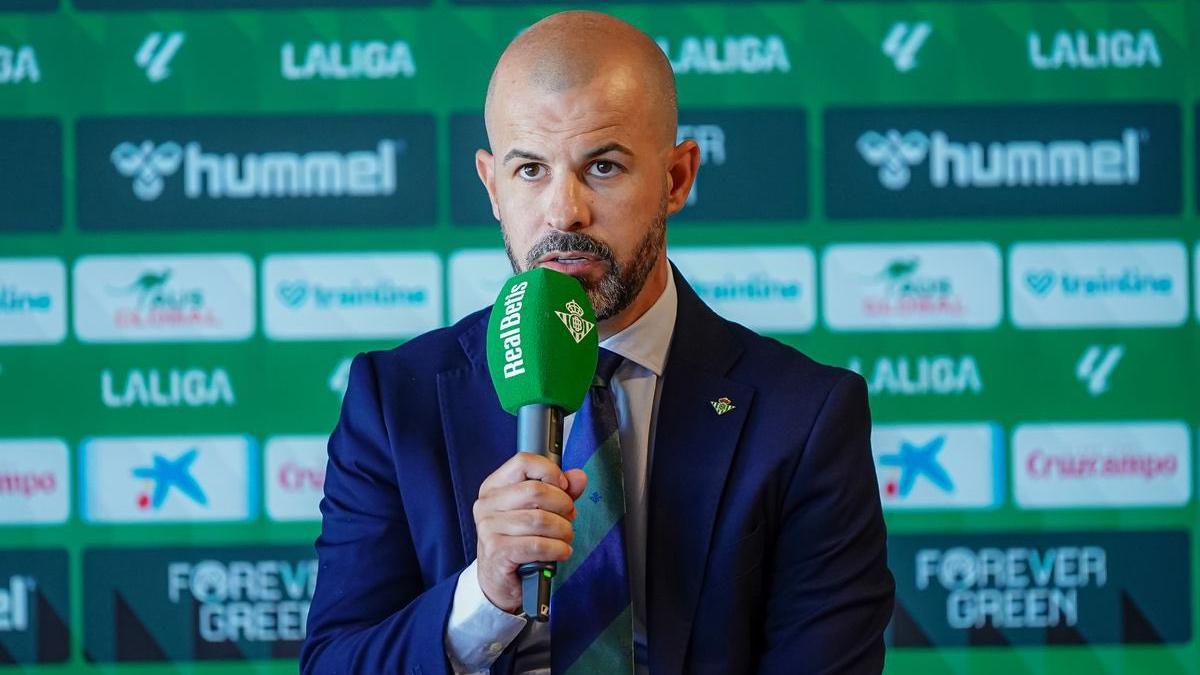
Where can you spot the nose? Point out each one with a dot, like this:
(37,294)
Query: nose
(568,208)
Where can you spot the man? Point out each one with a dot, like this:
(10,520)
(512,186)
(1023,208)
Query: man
(746,521)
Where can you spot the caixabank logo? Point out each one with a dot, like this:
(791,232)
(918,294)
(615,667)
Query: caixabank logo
(993,161)
(1041,588)
(185,604)
(34,606)
(947,466)
(732,184)
(207,173)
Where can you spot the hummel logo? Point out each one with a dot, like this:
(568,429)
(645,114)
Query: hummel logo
(1096,365)
(147,164)
(903,42)
(894,153)
(155,54)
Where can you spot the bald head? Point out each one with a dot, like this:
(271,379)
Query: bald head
(570,50)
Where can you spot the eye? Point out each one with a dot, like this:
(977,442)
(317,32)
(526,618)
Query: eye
(604,168)
(531,171)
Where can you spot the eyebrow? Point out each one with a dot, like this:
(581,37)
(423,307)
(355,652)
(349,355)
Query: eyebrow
(595,152)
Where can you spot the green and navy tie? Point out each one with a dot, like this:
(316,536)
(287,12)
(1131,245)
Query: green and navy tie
(591,621)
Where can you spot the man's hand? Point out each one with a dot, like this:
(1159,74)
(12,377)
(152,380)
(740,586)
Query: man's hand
(523,514)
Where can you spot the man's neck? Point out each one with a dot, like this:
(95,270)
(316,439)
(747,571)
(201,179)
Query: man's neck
(656,283)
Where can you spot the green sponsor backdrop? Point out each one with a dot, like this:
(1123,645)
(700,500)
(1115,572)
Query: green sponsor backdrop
(78,67)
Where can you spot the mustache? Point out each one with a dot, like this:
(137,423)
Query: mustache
(569,241)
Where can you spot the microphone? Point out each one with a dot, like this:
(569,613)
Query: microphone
(542,348)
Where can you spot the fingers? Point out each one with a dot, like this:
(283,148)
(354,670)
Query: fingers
(525,466)
(527,523)
(577,483)
(528,494)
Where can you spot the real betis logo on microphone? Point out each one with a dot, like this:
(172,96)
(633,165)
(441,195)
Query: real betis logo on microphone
(574,321)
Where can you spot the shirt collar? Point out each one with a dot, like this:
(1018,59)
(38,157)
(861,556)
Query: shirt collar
(647,340)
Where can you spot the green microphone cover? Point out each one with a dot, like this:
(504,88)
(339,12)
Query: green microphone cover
(542,341)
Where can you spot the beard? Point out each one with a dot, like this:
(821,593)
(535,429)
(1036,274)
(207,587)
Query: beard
(623,281)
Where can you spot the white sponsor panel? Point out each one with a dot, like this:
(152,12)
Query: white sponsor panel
(911,286)
(169,479)
(295,476)
(1102,464)
(33,300)
(35,481)
(1098,284)
(163,298)
(476,276)
(770,289)
(351,295)
(938,466)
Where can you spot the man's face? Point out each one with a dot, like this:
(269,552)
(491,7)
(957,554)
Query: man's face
(579,186)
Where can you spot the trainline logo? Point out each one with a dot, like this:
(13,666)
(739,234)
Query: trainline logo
(1019,163)
(369,173)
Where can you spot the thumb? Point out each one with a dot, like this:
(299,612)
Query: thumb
(577,482)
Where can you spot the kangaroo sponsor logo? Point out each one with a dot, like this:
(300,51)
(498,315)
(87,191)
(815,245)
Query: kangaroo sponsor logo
(194,172)
(1002,161)
(911,286)
(949,466)
(295,477)
(1102,49)
(33,300)
(1098,284)
(769,289)
(163,298)
(19,64)
(334,296)
(936,375)
(729,54)
(367,59)
(35,481)
(1102,465)
(169,479)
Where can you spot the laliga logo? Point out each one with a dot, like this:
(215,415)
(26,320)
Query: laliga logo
(574,321)
(894,154)
(147,164)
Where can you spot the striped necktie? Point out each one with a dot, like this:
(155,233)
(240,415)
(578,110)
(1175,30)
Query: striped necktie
(591,621)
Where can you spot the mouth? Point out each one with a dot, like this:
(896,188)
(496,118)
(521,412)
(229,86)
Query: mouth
(574,263)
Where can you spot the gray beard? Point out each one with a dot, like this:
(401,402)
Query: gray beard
(616,290)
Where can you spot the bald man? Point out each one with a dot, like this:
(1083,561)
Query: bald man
(746,533)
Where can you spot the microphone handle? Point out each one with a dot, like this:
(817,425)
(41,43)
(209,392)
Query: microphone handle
(540,431)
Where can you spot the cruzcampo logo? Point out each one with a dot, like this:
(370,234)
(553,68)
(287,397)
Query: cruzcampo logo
(722,405)
(574,321)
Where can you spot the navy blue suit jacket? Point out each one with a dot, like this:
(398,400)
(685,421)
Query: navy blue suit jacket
(766,543)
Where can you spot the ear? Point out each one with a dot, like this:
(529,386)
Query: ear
(485,166)
(682,166)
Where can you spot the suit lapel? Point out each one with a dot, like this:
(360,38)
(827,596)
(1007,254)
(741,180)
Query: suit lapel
(693,449)
(480,435)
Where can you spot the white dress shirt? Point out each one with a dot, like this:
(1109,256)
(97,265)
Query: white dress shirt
(478,631)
